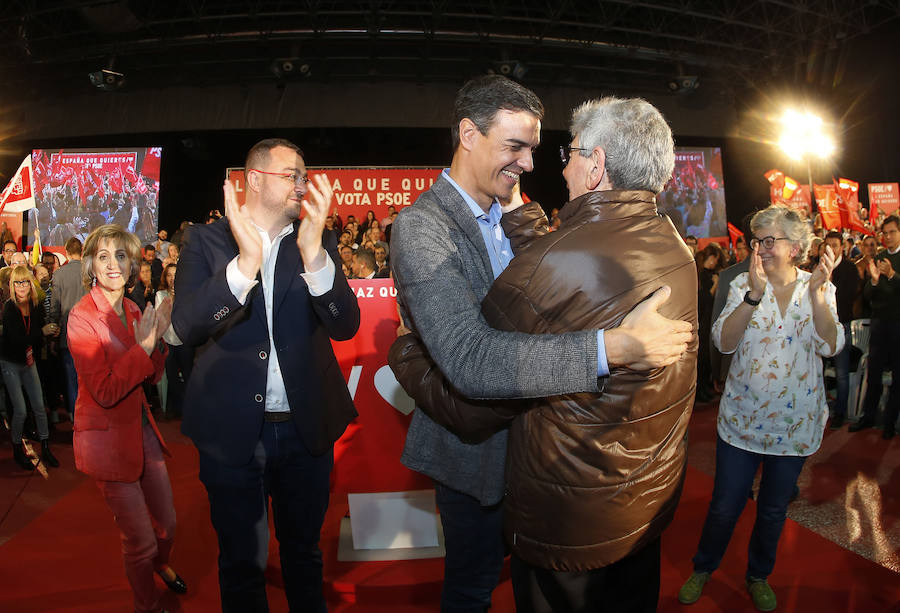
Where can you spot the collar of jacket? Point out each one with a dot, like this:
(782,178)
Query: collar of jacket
(609,204)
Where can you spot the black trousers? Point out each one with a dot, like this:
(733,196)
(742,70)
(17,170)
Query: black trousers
(884,354)
(630,585)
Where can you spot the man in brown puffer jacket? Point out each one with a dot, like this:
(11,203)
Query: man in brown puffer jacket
(592,479)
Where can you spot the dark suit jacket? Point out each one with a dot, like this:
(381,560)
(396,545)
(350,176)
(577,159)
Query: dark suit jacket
(225,397)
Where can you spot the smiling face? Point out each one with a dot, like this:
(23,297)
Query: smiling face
(111,266)
(22,290)
(499,157)
(780,257)
(279,195)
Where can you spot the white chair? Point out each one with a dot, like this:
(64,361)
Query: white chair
(864,333)
(860,331)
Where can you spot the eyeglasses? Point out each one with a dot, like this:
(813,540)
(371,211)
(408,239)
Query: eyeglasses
(768,242)
(22,282)
(565,153)
(293,177)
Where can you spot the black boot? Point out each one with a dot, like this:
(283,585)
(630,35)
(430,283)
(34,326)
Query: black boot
(47,456)
(21,457)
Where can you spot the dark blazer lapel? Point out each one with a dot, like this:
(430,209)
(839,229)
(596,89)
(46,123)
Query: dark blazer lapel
(455,206)
(287,267)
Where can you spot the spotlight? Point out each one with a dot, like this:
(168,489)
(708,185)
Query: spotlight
(107,80)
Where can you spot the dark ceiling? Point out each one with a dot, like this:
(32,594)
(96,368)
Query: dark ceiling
(49,48)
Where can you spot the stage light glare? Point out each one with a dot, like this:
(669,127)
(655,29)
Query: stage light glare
(790,145)
(825,146)
(803,135)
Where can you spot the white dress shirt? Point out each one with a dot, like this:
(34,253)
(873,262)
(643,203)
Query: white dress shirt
(318,282)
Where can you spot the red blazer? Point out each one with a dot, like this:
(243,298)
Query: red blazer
(111,366)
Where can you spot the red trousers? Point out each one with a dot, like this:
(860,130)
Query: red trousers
(145,516)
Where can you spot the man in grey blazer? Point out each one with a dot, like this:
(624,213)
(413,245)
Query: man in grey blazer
(67,291)
(446,250)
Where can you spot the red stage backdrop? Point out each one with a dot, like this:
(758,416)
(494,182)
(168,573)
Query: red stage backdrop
(357,190)
(367,456)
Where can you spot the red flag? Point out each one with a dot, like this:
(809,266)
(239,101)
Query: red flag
(734,234)
(130,174)
(848,201)
(826,198)
(115,180)
(151,163)
(18,195)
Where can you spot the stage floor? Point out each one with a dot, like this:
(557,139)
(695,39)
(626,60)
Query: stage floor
(59,550)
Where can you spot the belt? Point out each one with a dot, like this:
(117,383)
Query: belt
(274,417)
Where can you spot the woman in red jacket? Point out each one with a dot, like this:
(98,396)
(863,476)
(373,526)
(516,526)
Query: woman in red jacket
(116,440)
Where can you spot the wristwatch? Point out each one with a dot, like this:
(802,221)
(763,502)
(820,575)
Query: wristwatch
(750,300)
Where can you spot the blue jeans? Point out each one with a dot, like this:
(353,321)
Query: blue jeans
(473,539)
(298,484)
(71,379)
(735,469)
(842,368)
(15,376)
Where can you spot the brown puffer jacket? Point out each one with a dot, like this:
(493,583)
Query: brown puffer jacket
(593,477)
(590,477)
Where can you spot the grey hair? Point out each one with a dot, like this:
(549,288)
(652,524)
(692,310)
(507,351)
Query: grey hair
(640,150)
(789,222)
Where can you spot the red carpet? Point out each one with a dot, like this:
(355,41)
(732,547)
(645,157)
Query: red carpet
(67,559)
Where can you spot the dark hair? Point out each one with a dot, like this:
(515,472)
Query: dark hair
(690,237)
(364,256)
(835,234)
(889,219)
(13,243)
(163,283)
(73,246)
(149,247)
(259,153)
(481,98)
(713,249)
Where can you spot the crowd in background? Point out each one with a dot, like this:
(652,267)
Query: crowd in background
(864,256)
(363,249)
(35,356)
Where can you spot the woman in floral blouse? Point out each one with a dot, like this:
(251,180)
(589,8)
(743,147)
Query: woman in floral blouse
(779,322)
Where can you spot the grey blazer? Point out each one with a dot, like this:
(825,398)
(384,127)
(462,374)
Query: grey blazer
(67,291)
(442,272)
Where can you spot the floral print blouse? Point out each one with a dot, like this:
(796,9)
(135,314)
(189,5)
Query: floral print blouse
(774,397)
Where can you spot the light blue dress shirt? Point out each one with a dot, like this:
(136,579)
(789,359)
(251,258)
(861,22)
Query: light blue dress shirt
(500,252)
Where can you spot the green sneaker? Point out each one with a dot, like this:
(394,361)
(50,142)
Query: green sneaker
(762,595)
(692,589)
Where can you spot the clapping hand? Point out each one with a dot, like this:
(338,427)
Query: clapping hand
(823,270)
(886,268)
(246,236)
(757,275)
(309,236)
(145,330)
